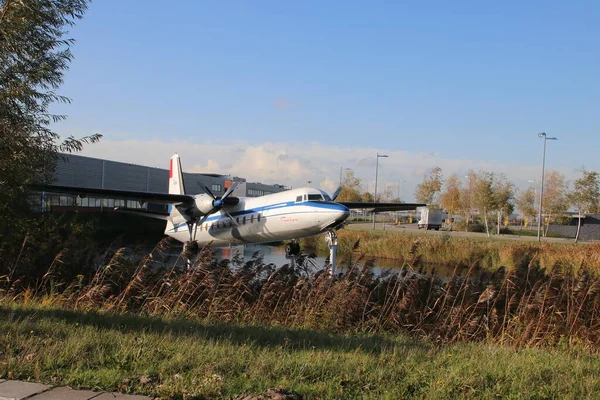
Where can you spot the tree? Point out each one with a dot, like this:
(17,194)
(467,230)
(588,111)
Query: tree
(367,197)
(466,197)
(483,197)
(585,195)
(526,203)
(426,191)
(350,188)
(450,199)
(555,202)
(34,54)
(387,195)
(503,197)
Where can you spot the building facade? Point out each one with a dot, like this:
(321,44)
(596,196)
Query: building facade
(87,172)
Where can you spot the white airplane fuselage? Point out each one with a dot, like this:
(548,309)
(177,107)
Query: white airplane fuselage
(291,214)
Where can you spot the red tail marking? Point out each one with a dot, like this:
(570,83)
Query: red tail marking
(171,169)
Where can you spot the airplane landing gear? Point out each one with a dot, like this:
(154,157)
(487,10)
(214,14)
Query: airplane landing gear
(332,242)
(292,249)
(190,249)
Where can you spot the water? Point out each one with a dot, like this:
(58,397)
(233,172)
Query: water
(275,254)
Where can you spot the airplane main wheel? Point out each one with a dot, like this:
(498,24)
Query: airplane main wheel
(292,249)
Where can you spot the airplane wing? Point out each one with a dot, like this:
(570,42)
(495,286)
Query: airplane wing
(180,200)
(381,207)
(144,213)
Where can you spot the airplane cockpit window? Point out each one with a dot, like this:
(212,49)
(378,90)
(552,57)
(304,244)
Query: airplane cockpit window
(315,197)
(298,199)
(326,196)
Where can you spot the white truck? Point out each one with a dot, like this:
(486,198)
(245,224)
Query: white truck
(431,219)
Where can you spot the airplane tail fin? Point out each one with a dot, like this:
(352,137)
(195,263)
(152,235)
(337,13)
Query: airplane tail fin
(176,186)
(176,176)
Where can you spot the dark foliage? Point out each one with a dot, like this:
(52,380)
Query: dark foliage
(34,54)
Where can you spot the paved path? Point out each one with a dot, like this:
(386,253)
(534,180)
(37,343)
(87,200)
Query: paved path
(16,390)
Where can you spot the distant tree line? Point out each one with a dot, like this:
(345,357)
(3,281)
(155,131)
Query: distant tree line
(487,196)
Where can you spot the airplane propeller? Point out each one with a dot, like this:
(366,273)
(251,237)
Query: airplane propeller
(225,200)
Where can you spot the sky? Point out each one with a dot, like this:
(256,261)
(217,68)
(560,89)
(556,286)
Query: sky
(290,92)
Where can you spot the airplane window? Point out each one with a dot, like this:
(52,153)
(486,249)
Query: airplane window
(252,219)
(244,220)
(258,217)
(315,197)
(304,197)
(298,199)
(237,219)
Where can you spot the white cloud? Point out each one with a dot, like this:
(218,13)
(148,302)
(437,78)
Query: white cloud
(294,164)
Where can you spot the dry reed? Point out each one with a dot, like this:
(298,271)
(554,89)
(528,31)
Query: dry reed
(532,296)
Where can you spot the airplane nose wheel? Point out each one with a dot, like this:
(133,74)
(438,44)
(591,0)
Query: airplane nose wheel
(332,243)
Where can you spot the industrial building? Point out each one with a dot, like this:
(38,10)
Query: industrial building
(87,172)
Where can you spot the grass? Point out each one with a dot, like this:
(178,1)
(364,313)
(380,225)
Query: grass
(185,359)
(514,320)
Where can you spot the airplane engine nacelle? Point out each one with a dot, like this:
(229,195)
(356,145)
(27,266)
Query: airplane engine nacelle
(204,203)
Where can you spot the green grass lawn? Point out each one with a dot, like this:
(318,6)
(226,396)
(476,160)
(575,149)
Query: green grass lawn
(192,360)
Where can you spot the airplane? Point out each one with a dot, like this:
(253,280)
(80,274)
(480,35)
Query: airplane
(207,220)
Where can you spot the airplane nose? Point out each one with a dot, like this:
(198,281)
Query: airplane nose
(343,213)
(336,214)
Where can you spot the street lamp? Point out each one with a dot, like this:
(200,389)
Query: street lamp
(376,172)
(542,135)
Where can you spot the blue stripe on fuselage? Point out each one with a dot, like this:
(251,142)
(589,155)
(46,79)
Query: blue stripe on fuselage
(316,204)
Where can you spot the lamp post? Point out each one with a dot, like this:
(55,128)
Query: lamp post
(542,135)
(376,172)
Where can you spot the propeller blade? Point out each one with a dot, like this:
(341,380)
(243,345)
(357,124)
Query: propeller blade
(209,192)
(230,190)
(230,217)
(336,193)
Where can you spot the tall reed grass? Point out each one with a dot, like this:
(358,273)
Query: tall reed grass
(414,250)
(515,293)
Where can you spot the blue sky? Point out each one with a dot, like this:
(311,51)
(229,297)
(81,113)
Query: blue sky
(324,85)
